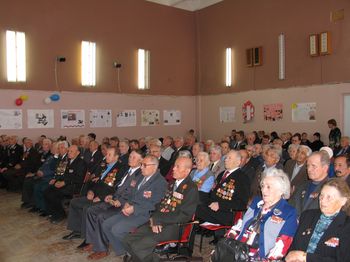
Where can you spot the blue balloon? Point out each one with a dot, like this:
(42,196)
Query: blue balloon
(55,97)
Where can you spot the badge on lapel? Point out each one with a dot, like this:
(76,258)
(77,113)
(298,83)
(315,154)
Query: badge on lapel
(276,219)
(133,183)
(332,242)
(147,194)
(314,195)
(70,170)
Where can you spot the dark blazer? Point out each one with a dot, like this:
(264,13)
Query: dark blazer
(102,187)
(300,178)
(74,176)
(124,190)
(299,200)
(31,161)
(240,194)
(94,161)
(326,251)
(341,151)
(182,212)
(163,166)
(15,154)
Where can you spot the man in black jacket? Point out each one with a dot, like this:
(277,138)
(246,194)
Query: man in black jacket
(70,183)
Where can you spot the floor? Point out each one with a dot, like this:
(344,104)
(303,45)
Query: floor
(27,237)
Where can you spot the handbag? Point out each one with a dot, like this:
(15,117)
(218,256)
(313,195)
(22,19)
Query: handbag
(230,250)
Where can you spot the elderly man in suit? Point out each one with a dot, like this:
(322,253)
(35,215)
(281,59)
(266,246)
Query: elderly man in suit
(306,195)
(296,169)
(230,194)
(103,186)
(70,183)
(217,164)
(178,206)
(149,191)
(96,214)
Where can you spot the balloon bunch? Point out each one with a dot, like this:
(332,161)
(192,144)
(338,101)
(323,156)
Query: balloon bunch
(19,101)
(52,98)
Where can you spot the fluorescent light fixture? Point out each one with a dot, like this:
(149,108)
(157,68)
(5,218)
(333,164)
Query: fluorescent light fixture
(143,69)
(228,67)
(281,57)
(16,56)
(88,63)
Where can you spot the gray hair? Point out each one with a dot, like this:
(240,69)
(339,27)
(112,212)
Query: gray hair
(280,177)
(309,151)
(293,146)
(65,143)
(205,155)
(185,153)
(324,157)
(216,148)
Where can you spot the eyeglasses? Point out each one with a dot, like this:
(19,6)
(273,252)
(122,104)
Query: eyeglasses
(146,165)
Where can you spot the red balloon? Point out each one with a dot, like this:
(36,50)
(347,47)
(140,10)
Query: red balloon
(18,101)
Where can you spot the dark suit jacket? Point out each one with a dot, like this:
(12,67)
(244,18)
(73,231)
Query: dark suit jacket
(14,154)
(94,161)
(124,191)
(30,161)
(300,201)
(101,188)
(240,196)
(163,166)
(338,230)
(184,210)
(300,178)
(145,197)
(74,176)
(341,151)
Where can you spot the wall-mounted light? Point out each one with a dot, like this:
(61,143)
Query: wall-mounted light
(16,56)
(281,57)
(88,63)
(143,68)
(228,67)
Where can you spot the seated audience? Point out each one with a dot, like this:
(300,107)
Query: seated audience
(101,186)
(196,148)
(178,206)
(306,195)
(269,225)
(239,142)
(225,148)
(111,204)
(217,164)
(32,178)
(230,194)
(69,183)
(342,168)
(317,143)
(203,177)
(304,140)
(324,234)
(148,192)
(344,147)
(247,165)
(167,147)
(271,158)
(296,169)
(29,163)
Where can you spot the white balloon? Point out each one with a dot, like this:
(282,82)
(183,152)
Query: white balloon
(47,100)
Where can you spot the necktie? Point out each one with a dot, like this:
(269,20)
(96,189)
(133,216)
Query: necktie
(211,166)
(226,174)
(175,186)
(144,180)
(125,177)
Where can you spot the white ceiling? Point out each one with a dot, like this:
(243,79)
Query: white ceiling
(190,5)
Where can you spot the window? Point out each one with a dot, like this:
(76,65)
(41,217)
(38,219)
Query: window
(143,69)
(16,56)
(88,63)
(228,67)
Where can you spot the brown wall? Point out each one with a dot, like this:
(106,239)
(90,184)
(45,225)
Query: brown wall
(243,24)
(120,27)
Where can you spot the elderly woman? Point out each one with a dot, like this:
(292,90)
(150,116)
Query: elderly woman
(270,223)
(203,177)
(324,235)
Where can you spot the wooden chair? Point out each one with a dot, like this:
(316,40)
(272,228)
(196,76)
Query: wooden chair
(213,228)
